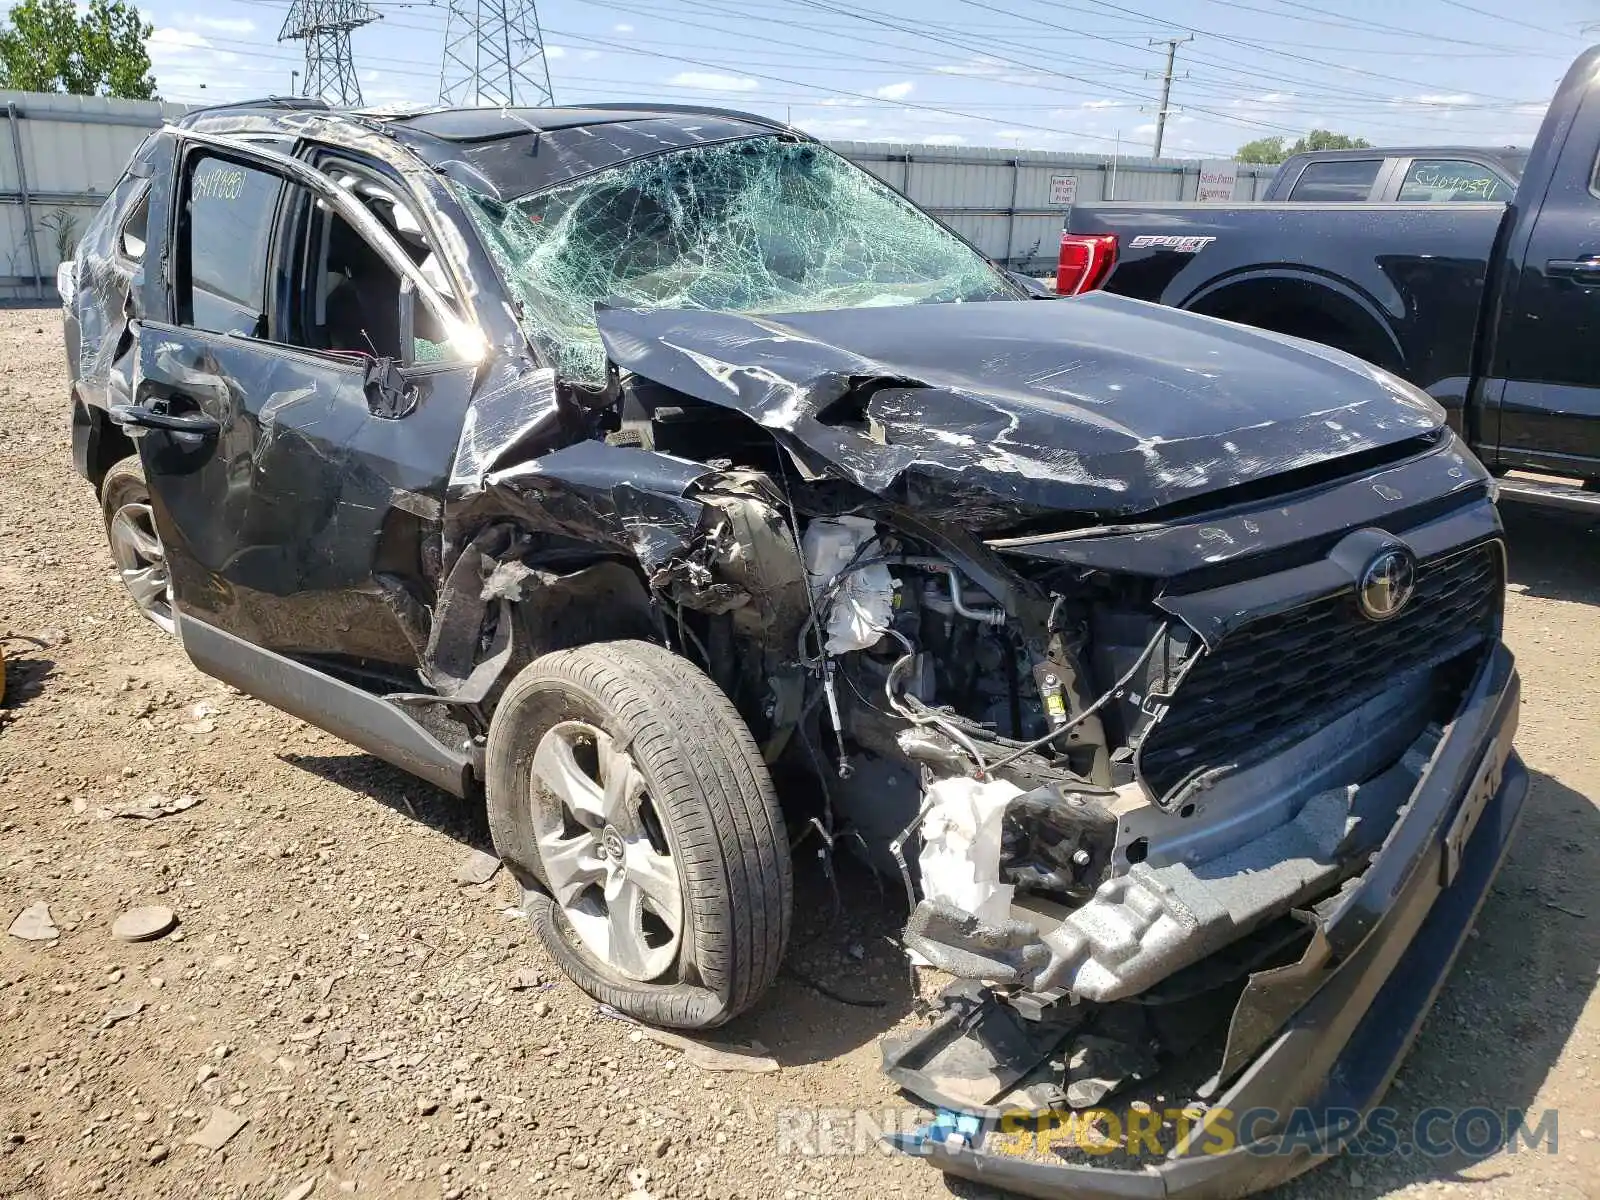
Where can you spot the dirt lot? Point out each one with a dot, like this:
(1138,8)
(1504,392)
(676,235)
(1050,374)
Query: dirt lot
(332,982)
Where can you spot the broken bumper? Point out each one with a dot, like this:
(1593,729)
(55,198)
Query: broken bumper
(1395,937)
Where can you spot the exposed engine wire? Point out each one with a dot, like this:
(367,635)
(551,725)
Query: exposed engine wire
(926,716)
(685,634)
(1110,694)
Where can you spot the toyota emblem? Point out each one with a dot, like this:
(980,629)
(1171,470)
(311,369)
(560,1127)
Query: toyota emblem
(1387,583)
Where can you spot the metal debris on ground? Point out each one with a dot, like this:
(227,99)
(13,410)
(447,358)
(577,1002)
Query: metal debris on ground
(478,867)
(152,807)
(216,1132)
(145,924)
(121,1010)
(33,924)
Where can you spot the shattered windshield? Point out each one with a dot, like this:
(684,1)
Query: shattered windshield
(763,225)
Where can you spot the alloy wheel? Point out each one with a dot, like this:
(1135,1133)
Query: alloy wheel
(604,852)
(142,562)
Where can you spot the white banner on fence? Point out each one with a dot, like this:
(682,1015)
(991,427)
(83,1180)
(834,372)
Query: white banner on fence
(1217,177)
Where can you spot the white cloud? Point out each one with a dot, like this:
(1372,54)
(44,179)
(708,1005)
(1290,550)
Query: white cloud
(1098,104)
(376,93)
(944,139)
(894,91)
(841,124)
(842,102)
(981,66)
(1438,99)
(710,81)
(188,67)
(589,55)
(1145,129)
(555,51)
(174,41)
(623,27)
(237,26)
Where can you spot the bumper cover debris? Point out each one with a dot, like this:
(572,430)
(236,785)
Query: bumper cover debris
(1326,1034)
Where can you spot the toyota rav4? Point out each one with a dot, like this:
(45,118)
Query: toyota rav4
(612,462)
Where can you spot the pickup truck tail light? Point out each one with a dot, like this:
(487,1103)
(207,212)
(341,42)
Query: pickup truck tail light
(1086,260)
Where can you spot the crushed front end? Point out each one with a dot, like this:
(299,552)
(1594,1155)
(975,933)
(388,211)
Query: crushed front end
(1173,696)
(1196,812)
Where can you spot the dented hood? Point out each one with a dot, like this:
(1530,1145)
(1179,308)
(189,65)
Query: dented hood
(1096,404)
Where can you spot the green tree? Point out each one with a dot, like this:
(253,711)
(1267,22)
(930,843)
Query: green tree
(1267,150)
(1323,139)
(46,46)
(1270,150)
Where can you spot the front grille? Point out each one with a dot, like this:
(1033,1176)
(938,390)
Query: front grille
(1278,679)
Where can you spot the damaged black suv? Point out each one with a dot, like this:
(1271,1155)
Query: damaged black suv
(614,462)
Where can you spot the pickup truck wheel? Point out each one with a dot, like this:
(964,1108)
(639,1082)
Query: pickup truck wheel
(135,544)
(630,799)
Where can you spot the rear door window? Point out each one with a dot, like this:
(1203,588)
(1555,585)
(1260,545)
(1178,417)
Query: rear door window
(1438,180)
(1342,179)
(229,214)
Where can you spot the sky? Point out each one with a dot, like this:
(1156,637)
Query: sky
(1079,75)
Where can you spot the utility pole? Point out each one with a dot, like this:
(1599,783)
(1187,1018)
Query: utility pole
(494,55)
(1172,45)
(324,26)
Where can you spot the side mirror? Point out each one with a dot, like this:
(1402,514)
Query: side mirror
(408,322)
(386,389)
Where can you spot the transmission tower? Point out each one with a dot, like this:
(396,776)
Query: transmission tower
(494,55)
(324,26)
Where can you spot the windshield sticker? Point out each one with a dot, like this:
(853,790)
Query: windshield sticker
(214,180)
(1483,186)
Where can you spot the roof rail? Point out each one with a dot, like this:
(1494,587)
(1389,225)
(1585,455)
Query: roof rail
(290,103)
(687,110)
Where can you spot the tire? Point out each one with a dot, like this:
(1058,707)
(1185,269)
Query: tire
(135,545)
(706,803)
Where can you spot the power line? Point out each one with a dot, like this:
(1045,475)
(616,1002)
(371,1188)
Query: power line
(1249,45)
(997,59)
(1319,17)
(1484,12)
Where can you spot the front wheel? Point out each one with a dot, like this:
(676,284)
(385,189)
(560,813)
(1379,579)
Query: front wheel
(630,799)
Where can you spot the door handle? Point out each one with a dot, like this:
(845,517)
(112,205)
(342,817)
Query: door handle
(144,417)
(1585,271)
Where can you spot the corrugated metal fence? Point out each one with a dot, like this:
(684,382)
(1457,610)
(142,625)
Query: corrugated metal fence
(62,154)
(1009,203)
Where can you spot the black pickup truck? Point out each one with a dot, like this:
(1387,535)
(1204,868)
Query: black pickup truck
(1494,309)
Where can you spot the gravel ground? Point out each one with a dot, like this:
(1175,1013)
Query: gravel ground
(372,1021)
